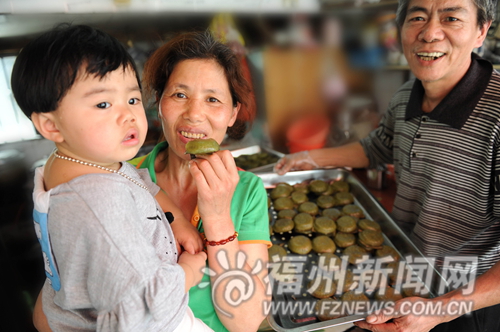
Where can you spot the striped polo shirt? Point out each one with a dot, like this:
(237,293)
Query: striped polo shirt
(447,165)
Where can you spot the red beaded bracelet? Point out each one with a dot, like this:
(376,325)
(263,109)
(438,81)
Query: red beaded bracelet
(221,242)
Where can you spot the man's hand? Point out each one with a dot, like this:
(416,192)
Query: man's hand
(399,318)
(296,161)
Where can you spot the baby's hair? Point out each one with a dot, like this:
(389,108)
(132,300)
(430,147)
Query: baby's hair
(47,67)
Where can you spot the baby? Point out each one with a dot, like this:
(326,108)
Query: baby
(110,254)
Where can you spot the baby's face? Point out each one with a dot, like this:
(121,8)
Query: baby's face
(102,120)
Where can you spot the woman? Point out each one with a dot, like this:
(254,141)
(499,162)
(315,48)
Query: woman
(201,93)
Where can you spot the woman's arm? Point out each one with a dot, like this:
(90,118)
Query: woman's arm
(216,177)
(39,319)
(249,314)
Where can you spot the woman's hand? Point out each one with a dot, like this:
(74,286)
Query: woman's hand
(216,178)
(187,236)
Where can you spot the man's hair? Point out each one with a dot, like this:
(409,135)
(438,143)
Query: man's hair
(486,11)
(47,67)
(201,45)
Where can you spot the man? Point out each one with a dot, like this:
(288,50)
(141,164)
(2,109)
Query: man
(442,133)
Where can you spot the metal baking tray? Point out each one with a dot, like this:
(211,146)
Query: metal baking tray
(257,149)
(373,210)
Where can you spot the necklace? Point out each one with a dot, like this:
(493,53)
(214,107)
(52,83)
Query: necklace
(57,155)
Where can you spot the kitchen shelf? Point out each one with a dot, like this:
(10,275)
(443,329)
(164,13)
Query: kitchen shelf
(398,67)
(359,4)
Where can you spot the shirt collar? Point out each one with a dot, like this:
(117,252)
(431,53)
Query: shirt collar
(456,107)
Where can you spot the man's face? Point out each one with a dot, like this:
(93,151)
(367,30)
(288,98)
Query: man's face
(438,37)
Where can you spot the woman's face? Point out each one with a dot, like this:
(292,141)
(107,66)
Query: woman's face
(196,103)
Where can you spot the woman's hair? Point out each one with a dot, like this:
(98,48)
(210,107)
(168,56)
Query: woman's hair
(47,67)
(486,11)
(201,45)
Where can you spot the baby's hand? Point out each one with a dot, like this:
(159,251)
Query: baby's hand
(187,236)
(194,267)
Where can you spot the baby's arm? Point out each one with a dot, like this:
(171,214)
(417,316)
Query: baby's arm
(185,233)
(193,266)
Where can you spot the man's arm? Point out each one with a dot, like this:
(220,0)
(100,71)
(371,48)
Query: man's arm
(349,155)
(486,293)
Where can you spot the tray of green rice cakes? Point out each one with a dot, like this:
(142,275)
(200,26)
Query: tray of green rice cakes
(337,255)
(256,158)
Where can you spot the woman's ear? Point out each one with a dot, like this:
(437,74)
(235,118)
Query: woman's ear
(160,116)
(46,126)
(234,116)
(158,102)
